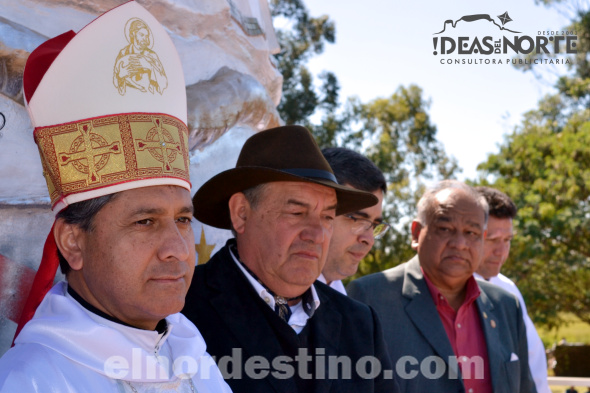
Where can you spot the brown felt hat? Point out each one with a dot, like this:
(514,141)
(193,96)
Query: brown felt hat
(287,153)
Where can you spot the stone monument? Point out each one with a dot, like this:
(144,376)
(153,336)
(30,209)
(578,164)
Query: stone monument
(233,88)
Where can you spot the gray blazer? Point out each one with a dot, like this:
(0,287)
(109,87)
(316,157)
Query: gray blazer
(414,332)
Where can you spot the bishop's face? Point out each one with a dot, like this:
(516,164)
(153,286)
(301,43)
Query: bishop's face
(138,259)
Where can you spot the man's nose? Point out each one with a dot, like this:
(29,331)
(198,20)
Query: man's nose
(173,243)
(459,241)
(366,236)
(315,230)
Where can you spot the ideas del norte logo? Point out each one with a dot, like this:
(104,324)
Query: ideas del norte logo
(502,41)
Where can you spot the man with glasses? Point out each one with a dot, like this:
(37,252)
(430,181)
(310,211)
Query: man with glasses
(354,233)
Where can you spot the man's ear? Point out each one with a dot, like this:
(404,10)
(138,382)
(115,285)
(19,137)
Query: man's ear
(239,207)
(69,239)
(416,228)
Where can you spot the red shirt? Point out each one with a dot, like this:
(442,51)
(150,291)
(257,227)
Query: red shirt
(466,336)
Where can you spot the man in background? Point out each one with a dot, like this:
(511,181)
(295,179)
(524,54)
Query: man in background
(354,233)
(496,251)
(447,332)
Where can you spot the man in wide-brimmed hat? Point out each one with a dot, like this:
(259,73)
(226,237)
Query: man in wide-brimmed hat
(117,170)
(257,302)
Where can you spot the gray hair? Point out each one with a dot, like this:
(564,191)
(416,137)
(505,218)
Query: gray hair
(81,214)
(426,204)
(253,195)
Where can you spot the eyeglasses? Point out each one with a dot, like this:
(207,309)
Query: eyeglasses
(360,225)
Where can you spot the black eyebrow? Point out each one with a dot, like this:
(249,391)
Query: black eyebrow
(157,211)
(187,209)
(365,215)
(333,207)
(307,205)
(147,210)
(443,219)
(474,224)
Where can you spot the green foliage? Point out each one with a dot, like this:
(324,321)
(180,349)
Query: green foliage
(305,38)
(397,135)
(394,132)
(545,167)
(573,331)
(574,87)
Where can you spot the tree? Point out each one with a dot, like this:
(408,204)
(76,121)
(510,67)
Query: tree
(574,87)
(397,135)
(544,165)
(305,38)
(395,132)
(545,168)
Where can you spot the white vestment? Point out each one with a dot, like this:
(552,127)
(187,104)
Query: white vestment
(66,348)
(537,356)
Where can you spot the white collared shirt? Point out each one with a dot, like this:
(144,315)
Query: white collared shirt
(298,318)
(537,357)
(336,284)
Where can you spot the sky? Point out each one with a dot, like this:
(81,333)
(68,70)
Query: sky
(382,44)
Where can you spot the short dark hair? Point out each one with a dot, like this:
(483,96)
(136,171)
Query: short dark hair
(81,214)
(501,206)
(355,169)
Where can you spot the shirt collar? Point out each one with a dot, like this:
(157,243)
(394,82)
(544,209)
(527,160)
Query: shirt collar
(471,294)
(161,327)
(263,293)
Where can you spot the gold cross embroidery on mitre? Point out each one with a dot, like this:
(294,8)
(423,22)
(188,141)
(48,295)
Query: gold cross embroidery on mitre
(90,153)
(158,138)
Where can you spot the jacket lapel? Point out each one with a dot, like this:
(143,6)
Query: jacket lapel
(496,353)
(422,311)
(326,326)
(237,304)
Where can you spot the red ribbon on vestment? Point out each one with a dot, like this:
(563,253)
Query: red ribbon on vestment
(42,283)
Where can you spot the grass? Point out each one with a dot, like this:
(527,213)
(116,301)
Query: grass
(575,331)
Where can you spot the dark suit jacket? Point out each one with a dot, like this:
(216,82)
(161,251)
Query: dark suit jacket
(412,327)
(230,314)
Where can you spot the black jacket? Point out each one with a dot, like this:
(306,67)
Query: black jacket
(231,316)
